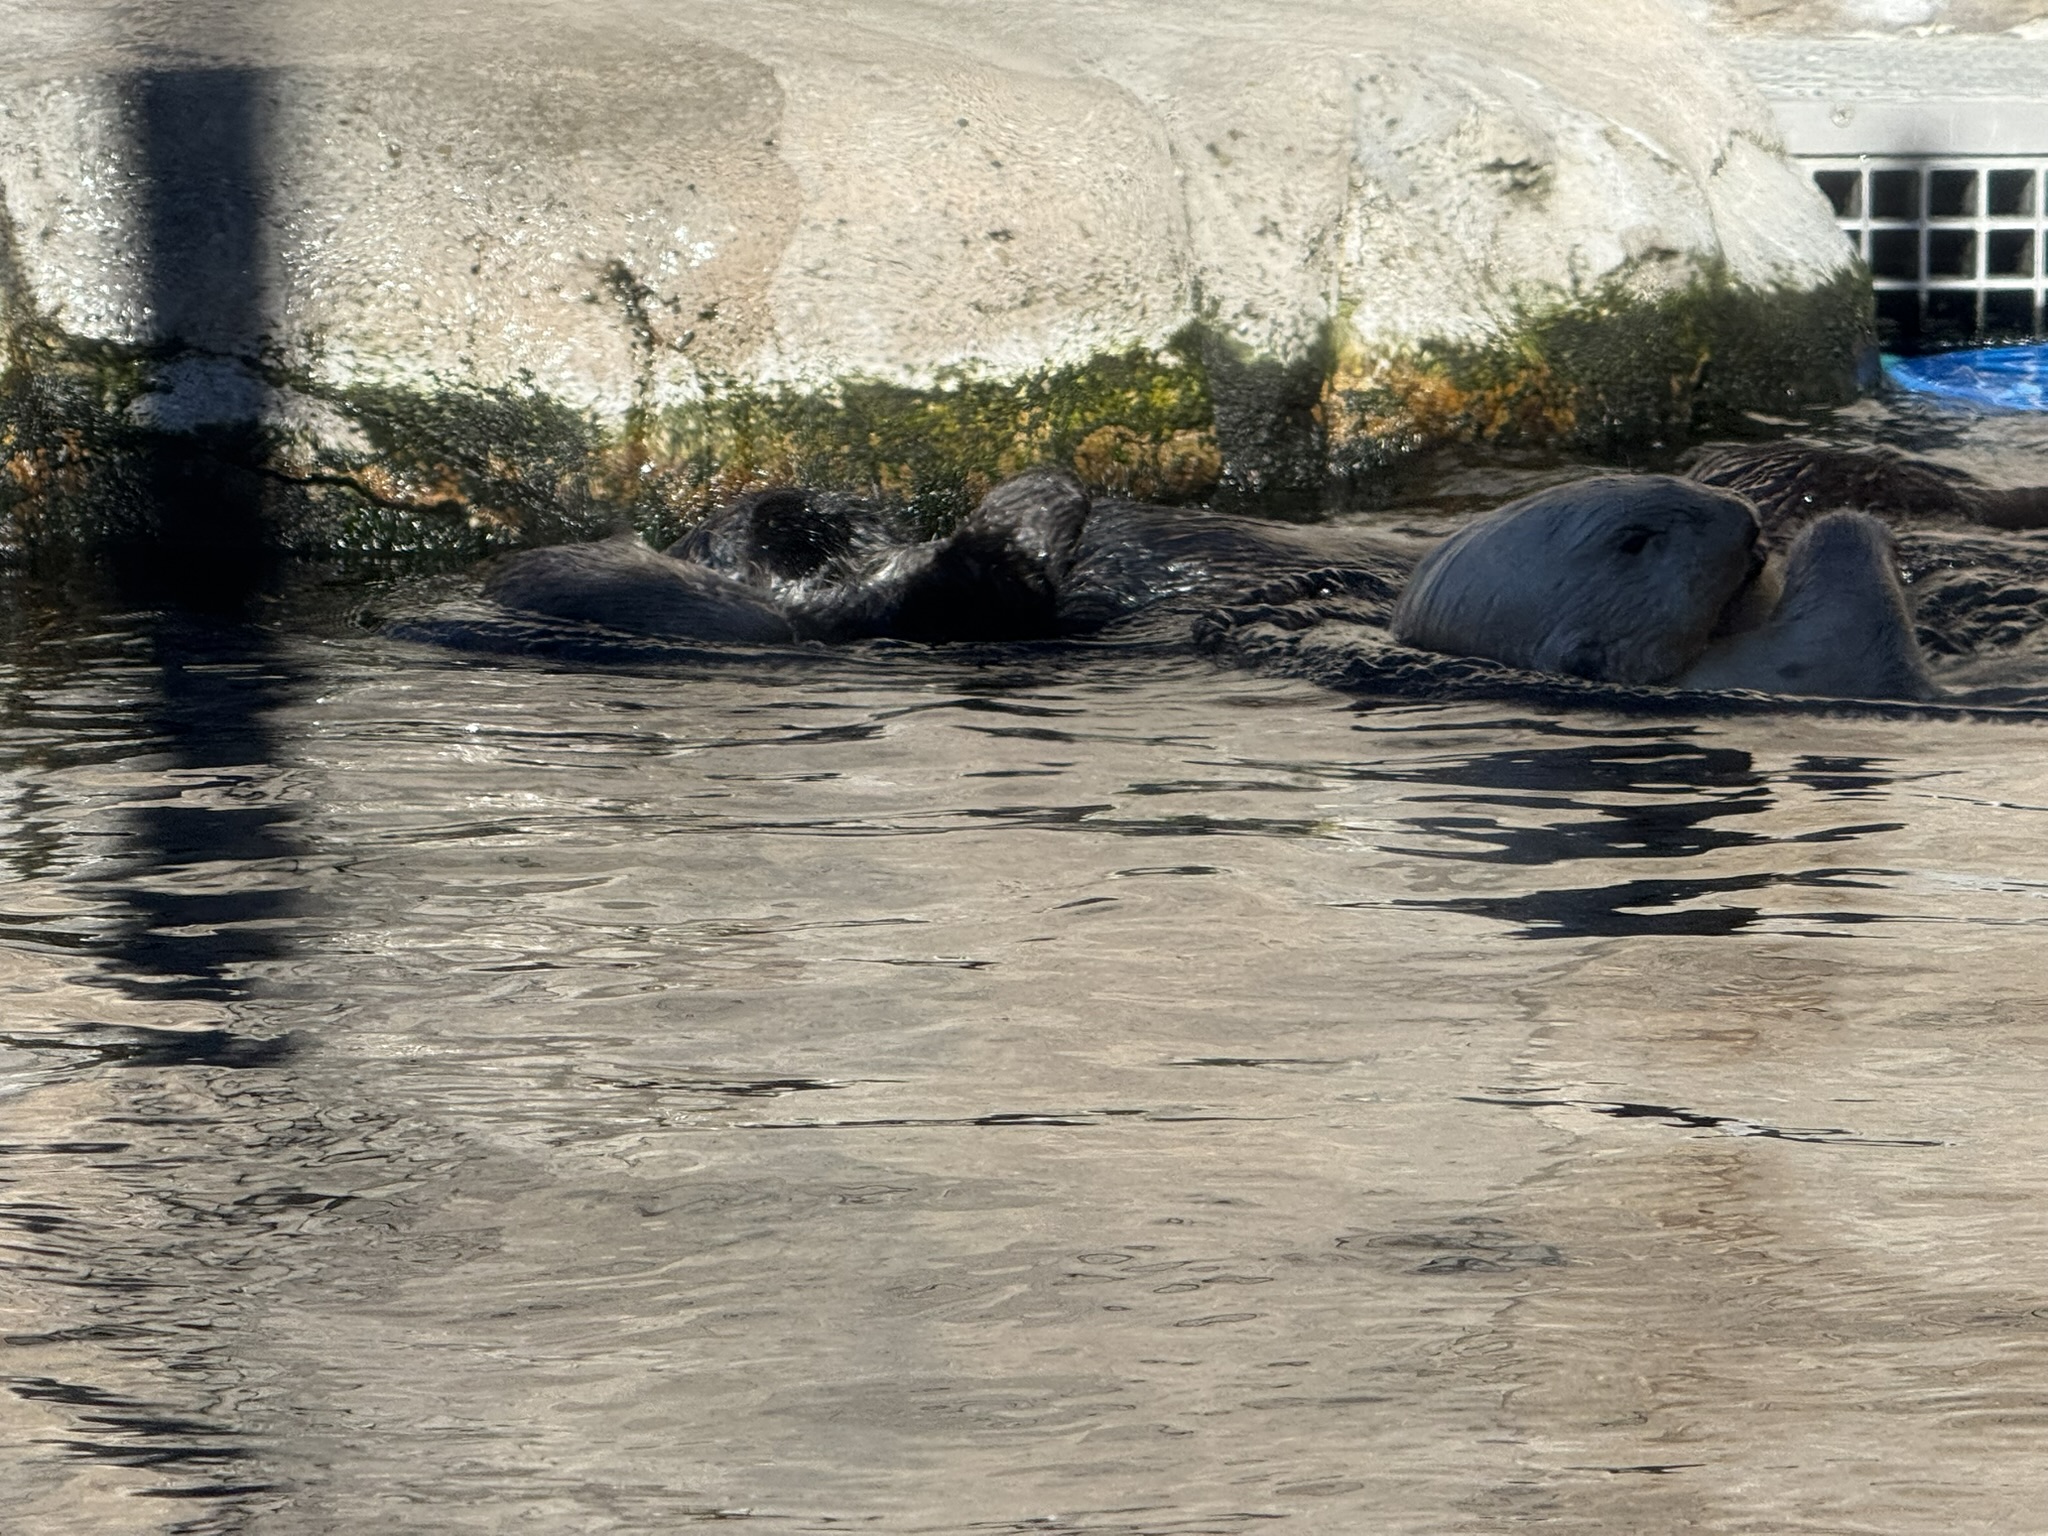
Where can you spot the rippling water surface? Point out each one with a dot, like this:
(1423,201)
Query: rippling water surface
(1065,1089)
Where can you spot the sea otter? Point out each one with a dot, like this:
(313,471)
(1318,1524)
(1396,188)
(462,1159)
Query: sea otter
(1842,628)
(805,565)
(1623,579)
(1620,578)
(1796,479)
(622,584)
(1037,558)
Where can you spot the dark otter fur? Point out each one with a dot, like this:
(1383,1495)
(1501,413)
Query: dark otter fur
(785,535)
(799,564)
(995,577)
(1619,578)
(1796,480)
(1035,559)
(1616,578)
(621,583)
(1133,559)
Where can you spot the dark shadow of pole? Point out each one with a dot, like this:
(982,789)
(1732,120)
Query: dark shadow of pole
(204,889)
(203,893)
(206,540)
(211,887)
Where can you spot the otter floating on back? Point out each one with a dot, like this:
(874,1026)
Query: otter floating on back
(1627,579)
(1036,559)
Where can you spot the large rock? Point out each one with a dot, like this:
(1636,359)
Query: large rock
(903,245)
(1850,18)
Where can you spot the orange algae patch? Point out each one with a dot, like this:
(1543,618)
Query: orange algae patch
(1405,402)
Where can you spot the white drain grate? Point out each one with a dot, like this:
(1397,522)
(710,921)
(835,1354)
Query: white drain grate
(1954,244)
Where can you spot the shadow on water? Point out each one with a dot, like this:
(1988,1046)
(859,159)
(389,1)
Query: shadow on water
(1625,800)
(1674,790)
(194,918)
(1643,908)
(1677,789)
(205,883)
(201,554)
(1681,1118)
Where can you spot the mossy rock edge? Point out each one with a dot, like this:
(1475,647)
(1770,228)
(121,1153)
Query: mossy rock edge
(429,477)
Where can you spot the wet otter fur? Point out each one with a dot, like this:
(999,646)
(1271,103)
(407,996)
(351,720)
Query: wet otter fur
(785,539)
(1843,627)
(1035,559)
(623,584)
(1620,578)
(1797,479)
(797,564)
(997,576)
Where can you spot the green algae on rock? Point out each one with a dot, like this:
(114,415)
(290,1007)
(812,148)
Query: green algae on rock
(1612,374)
(383,473)
(412,475)
(1137,423)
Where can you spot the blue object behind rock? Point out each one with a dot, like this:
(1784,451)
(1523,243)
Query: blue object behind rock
(2000,378)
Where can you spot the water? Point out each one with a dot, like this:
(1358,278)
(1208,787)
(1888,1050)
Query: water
(1044,1089)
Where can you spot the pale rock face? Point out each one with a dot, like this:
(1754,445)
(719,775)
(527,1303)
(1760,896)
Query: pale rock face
(1841,18)
(1469,174)
(625,203)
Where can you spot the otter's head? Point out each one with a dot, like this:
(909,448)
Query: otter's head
(1619,578)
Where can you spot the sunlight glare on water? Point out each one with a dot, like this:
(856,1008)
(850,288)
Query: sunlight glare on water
(1007,1090)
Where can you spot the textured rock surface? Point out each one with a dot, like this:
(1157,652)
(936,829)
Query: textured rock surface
(645,211)
(1851,17)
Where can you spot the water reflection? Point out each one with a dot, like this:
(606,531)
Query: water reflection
(762,1093)
(157,865)
(208,883)
(1683,787)
(1657,796)
(134,1045)
(157,859)
(143,1438)
(157,879)
(1843,778)
(1724,1125)
(1658,907)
